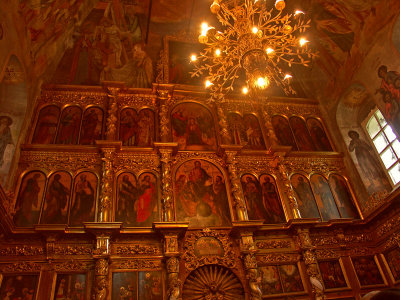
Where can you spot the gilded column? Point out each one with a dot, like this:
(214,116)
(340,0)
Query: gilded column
(164,94)
(310,259)
(101,286)
(237,193)
(283,176)
(166,150)
(112,89)
(249,250)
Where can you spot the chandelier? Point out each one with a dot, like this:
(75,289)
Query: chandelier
(256,40)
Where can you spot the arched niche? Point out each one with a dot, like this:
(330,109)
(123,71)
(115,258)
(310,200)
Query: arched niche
(13,103)
(355,105)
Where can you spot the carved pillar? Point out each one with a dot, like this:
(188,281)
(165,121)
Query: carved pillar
(238,197)
(108,151)
(283,176)
(171,232)
(310,259)
(103,233)
(164,94)
(112,89)
(166,150)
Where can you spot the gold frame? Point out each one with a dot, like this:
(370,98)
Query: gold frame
(384,284)
(303,281)
(343,269)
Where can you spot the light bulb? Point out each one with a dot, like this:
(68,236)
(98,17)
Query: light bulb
(208,83)
(287,77)
(204,28)
(193,57)
(303,41)
(270,51)
(280,4)
(245,90)
(254,30)
(298,12)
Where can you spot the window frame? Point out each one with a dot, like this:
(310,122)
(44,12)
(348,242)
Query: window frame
(371,142)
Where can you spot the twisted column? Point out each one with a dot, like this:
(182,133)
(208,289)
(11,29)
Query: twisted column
(164,94)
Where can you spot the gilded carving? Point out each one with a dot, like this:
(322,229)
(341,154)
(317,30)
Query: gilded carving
(314,164)
(136,101)
(20,267)
(73,249)
(257,165)
(101,267)
(273,244)
(107,180)
(167,192)
(136,161)
(73,266)
(173,265)
(272,109)
(374,201)
(327,253)
(277,258)
(137,249)
(78,97)
(138,264)
(193,261)
(22,251)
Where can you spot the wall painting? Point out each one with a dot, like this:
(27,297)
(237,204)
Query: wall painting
(200,195)
(56,200)
(193,127)
(332,274)
(29,200)
(137,200)
(283,279)
(19,286)
(83,199)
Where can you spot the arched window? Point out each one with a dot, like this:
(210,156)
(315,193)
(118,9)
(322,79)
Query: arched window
(386,144)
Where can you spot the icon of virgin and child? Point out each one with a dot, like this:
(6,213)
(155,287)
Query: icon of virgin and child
(201,196)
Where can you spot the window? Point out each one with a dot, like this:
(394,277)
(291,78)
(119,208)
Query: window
(386,144)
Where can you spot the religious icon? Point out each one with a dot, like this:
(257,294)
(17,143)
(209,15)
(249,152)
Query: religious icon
(318,135)
(145,128)
(84,196)
(5,136)
(253,196)
(237,129)
(270,281)
(128,127)
(246,131)
(92,126)
(367,271)
(29,199)
(193,127)
(208,246)
(200,195)
(393,261)
(271,201)
(332,274)
(323,195)
(143,285)
(56,200)
(343,196)
(46,125)
(283,132)
(70,286)
(291,279)
(146,206)
(305,198)
(301,134)
(19,287)
(126,199)
(69,125)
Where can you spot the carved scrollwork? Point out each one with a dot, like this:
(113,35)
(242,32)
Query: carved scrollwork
(173,265)
(277,258)
(22,251)
(257,165)
(326,253)
(73,249)
(20,267)
(314,164)
(136,161)
(273,244)
(388,226)
(77,97)
(137,101)
(73,266)
(292,109)
(138,264)
(101,267)
(374,201)
(49,160)
(137,249)
(211,157)
(193,261)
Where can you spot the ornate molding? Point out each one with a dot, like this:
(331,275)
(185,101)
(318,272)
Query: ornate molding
(211,157)
(326,254)
(136,161)
(289,110)
(138,264)
(73,250)
(277,258)
(137,101)
(374,201)
(388,226)
(20,267)
(257,164)
(22,251)
(314,164)
(136,249)
(77,97)
(273,244)
(73,266)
